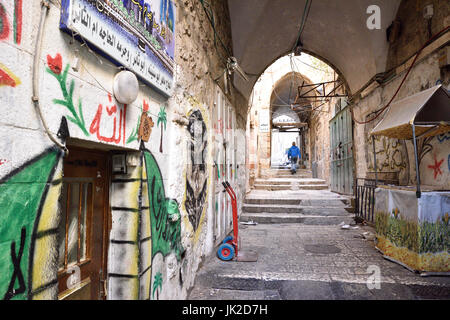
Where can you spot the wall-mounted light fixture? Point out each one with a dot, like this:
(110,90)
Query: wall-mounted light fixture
(125,87)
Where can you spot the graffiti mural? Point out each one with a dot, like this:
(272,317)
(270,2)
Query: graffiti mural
(55,69)
(165,225)
(109,121)
(28,229)
(118,114)
(164,213)
(10,28)
(436,167)
(391,155)
(154,232)
(196,174)
(443,137)
(7,78)
(162,121)
(414,231)
(134,136)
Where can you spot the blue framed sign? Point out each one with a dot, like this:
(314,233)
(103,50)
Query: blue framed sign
(136,34)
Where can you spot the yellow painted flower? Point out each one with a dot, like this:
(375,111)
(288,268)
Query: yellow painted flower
(445,218)
(395,212)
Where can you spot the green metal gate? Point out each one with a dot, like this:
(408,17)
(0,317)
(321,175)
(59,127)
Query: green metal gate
(341,134)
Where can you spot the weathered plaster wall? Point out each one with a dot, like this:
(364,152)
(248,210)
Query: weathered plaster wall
(398,156)
(140,266)
(394,155)
(414,31)
(320,139)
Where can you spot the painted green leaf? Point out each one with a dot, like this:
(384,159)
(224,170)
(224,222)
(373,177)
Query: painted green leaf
(20,199)
(166,234)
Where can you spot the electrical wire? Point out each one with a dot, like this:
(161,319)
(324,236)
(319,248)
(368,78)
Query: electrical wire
(45,6)
(381,111)
(211,20)
(305,15)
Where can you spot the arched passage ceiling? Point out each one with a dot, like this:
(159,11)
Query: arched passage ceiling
(285,92)
(336,31)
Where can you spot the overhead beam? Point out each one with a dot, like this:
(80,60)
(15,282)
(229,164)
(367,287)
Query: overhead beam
(289,124)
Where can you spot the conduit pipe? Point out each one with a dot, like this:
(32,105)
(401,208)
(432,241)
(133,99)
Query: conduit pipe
(45,6)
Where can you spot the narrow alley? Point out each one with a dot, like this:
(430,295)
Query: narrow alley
(304,253)
(224,150)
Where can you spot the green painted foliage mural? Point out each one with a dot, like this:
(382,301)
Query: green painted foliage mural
(164,213)
(420,238)
(21,196)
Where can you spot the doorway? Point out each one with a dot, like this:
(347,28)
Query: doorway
(84,227)
(281,142)
(342,168)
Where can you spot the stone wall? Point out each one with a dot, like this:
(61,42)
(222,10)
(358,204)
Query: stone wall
(75,83)
(395,155)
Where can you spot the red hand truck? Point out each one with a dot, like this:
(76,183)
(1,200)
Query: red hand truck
(230,248)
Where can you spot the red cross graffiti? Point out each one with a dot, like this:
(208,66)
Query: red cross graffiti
(436,167)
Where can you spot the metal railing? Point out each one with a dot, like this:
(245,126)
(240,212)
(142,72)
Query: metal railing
(365,199)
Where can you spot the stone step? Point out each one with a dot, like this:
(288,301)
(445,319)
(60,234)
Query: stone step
(271,218)
(287,174)
(323,211)
(292,181)
(287,177)
(322,202)
(271,187)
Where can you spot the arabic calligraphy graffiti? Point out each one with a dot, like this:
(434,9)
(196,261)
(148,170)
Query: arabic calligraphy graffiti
(443,137)
(389,156)
(118,134)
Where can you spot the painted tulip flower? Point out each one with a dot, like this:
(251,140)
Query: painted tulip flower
(55,64)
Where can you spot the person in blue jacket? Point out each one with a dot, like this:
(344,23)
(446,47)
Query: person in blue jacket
(294,155)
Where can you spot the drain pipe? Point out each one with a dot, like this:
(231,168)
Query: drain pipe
(45,6)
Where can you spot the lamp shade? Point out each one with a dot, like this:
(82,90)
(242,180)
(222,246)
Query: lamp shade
(126,87)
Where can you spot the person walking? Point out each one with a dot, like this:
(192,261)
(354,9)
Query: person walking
(294,155)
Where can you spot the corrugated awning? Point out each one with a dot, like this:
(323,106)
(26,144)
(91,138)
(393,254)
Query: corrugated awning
(428,110)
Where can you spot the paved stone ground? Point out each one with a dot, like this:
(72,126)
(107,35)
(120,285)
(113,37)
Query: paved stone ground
(298,261)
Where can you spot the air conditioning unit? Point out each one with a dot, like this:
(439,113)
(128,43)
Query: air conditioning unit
(119,163)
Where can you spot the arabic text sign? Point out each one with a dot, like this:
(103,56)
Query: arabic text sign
(264,121)
(130,32)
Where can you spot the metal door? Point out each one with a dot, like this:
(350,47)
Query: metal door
(341,135)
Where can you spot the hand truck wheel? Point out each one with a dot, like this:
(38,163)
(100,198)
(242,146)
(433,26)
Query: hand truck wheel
(228,239)
(225,252)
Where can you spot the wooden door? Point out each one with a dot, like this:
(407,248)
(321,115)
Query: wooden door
(83,229)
